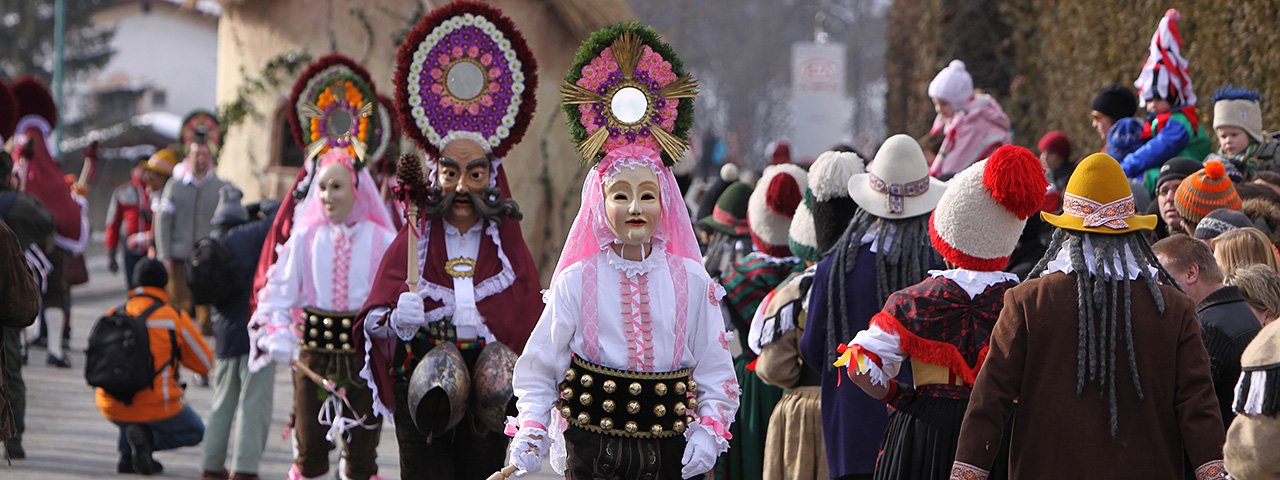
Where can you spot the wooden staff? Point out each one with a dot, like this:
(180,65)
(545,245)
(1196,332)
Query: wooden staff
(412,189)
(90,158)
(309,373)
(411,217)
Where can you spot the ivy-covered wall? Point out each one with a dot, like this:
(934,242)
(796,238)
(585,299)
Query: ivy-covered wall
(1046,59)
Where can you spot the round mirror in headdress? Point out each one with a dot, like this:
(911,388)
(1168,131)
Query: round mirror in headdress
(629,105)
(628,88)
(465,72)
(201,126)
(333,107)
(465,81)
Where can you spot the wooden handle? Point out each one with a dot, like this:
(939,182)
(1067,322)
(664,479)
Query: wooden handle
(503,474)
(315,377)
(411,216)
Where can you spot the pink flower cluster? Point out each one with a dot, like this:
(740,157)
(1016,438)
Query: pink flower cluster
(603,73)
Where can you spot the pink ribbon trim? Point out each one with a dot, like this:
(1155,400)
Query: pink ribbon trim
(1111,215)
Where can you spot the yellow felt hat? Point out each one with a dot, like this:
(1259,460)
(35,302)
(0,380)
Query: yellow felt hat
(162,162)
(1098,200)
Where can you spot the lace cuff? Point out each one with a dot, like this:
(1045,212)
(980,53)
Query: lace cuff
(718,432)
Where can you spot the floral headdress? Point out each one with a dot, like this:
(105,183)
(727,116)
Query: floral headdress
(334,108)
(201,126)
(627,87)
(630,105)
(465,72)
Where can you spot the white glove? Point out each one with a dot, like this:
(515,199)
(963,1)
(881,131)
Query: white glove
(282,346)
(410,315)
(700,452)
(526,450)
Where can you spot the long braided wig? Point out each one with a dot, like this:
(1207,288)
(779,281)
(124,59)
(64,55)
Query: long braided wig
(1105,303)
(904,256)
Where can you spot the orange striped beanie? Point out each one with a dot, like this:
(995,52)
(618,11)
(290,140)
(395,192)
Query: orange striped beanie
(1205,191)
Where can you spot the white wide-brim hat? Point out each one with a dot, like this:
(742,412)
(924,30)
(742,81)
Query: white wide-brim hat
(897,184)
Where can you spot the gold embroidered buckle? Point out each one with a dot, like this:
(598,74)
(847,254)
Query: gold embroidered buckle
(460,267)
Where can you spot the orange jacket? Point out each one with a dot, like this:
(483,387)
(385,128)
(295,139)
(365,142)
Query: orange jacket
(164,399)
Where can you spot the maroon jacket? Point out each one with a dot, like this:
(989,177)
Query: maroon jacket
(510,314)
(1059,434)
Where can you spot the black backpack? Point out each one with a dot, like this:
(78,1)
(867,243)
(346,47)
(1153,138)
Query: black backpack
(210,272)
(119,357)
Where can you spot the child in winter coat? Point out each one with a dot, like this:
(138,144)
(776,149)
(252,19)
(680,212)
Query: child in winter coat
(1237,122)
(1173,127)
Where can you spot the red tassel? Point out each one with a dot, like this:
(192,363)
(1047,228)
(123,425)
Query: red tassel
(752,366)
(1016,180)
(784,195)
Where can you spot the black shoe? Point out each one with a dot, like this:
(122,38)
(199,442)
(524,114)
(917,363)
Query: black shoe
(139,438)
(14,450)
(126,465)
(56,362)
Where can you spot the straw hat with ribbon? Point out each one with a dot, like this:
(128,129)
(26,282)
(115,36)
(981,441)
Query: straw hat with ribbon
(1098,200)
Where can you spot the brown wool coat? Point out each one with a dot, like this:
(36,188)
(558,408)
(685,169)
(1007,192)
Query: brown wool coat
(19,304)
(1058,434)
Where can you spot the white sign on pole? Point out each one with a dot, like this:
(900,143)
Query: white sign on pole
(820,107)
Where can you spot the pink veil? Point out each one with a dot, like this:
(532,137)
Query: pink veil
(590,234)
(368,206)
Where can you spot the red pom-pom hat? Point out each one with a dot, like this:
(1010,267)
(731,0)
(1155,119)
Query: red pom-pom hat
(980,217)
(771,206)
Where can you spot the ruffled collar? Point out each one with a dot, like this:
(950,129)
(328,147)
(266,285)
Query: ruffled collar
(972,281)
(1129,264)
(657,258)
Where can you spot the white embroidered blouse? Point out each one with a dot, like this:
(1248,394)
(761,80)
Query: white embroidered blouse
(660,314)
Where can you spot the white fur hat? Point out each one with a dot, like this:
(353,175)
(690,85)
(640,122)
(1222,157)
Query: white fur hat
(897,183)
(981,215)
(772,205)
(829,174)
(803,237)
(952,84)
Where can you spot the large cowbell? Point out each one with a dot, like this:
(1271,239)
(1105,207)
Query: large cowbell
(438,390)
(494,396)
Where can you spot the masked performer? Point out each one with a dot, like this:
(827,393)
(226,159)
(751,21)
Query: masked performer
(1101,352)
(464,86)
(340,230)
(942,324)
(793,446)
(885,249)
(628,373)
(39,175)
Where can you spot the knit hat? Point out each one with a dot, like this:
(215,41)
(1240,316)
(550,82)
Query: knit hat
(1056,142)
(149,272)
(162,162)
(1164,75)
(1221,221)
(1238,107)
(1098,200)
(1124,137)
(982,213)
(831,207)
(779,153)
(1116,101)
(730,213)
(8,113)
(1177,168)
(1205,191)
(772,205)
(897,184)
(952,84)
(802,237)
(728,175)
(229,211)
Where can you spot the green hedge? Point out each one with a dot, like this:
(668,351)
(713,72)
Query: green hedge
(1045,59)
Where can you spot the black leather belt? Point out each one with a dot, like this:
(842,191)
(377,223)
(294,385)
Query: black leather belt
(630,404)
(328,332)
